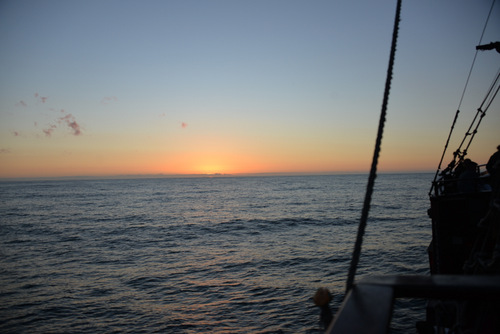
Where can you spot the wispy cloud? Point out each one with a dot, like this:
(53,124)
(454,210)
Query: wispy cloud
(184,125)
(108,99)
(48,131)
(66,119)
(70,121)
(42,99)
(4,151)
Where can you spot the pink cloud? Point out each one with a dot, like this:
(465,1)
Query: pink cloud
(49,130)
(70,121)
(16,133)
(108,99)
(67,119)
(184,125)
(42,99)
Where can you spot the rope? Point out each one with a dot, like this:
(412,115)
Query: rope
(373,171)
(481,112)
(475,56)
(447,142)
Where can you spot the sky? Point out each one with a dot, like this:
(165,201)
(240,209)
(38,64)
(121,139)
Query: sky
(120,87)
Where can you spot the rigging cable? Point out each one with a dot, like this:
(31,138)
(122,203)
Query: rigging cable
(373,171)
(481,112)
(452,164)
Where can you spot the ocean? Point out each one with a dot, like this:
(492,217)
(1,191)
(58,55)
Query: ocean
(201,255)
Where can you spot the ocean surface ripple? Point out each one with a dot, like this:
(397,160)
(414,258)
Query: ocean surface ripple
(197,255)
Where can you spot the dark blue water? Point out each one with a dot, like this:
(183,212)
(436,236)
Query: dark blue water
(197,255)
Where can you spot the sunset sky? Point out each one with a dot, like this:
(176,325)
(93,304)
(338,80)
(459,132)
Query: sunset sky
(115,87)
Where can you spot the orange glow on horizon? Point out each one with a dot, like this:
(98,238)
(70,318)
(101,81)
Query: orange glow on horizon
(196,163)
(207,161)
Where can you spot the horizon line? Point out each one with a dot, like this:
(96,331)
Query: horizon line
(200,175)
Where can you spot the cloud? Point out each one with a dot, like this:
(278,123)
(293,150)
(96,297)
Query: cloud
(39,98)
(4,150)
(42,99)
(66,118)
(49,130)
(108,99)
(184,125)
(70,121)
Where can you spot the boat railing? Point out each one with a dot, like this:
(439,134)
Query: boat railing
(459,183)
(368,307)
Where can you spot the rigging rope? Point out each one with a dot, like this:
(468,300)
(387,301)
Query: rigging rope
(452,164)
(481,112)
(373,171)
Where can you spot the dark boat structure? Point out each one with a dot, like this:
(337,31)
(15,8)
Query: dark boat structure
(463,288)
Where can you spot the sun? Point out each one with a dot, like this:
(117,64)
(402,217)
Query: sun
(211,169)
